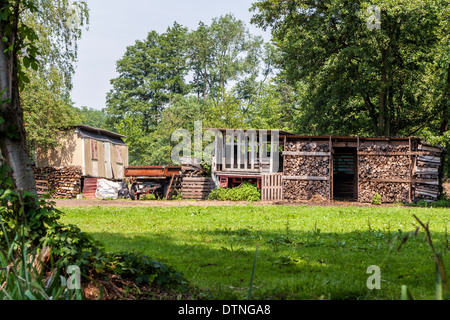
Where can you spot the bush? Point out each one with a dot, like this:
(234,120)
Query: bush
(245,192)
(36,223)
(442,203)
(376,199)
(22,277)
(147,271)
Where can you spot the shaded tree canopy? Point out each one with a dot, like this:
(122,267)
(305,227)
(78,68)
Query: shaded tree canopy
(361,80)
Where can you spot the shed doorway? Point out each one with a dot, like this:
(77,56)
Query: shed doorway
(345,174)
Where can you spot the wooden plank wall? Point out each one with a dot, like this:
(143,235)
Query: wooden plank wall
(196,187)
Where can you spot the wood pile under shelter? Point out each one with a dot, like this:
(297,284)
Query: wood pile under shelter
(63,182)
(355,168)
(400,169)
(306,170)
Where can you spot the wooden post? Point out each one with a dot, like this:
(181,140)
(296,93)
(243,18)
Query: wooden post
(330,181)
(357,169)
(253,150)
(410,170)
(224,152)
(170,186)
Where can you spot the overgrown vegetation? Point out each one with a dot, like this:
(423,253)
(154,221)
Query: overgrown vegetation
(22,278)
(245,192)
(31,226)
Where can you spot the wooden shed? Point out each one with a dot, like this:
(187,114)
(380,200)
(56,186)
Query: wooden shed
(329,167)
(85,155)
(100,153)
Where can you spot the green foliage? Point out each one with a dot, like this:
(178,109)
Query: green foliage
(362,81)
(442,203)
(152,96)
(37,224)
(38,221)
(147,271)
(58,26)
(245,192)
(92,117)
(20,38)
(21,279)
(376,199)
(150,73)
(46,111)
(220,53)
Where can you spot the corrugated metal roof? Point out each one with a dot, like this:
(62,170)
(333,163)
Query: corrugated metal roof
(100,131)
(99,134)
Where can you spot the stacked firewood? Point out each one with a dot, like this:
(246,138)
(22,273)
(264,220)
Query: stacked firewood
(428,170)
(305,190)
(64,182)
(385,147)
(384,167)
(192,170)
(390,192)
(307,146)
(309,169)
(41,178)
(306,166)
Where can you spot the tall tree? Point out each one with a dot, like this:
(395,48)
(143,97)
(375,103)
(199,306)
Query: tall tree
(12,133)
(150,73)
(222,53)
(19,51)
(360,79)
(47,110)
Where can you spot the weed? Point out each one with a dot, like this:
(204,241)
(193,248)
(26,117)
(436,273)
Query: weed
(376,199)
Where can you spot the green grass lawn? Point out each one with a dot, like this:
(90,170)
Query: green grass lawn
(304,252)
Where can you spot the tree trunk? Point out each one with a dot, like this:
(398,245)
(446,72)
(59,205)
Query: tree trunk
(382,99)
(12,132)
(372,114)
(444,122)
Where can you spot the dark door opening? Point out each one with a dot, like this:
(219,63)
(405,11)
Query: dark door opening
(345,174)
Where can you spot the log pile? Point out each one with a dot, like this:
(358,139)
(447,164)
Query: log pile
(41,176)
(428,174)
(307,146)
(375,168)
(192,170)
(64,182)
(306,166)
(305,190)
(306,175)
(390,191)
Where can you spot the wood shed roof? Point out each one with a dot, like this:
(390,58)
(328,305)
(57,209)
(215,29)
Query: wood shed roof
(89,132)
(269,131)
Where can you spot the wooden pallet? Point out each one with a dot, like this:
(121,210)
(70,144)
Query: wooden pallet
(196,187)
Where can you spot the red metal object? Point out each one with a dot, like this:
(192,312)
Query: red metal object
(233,181)
(223,182)
(152,171)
